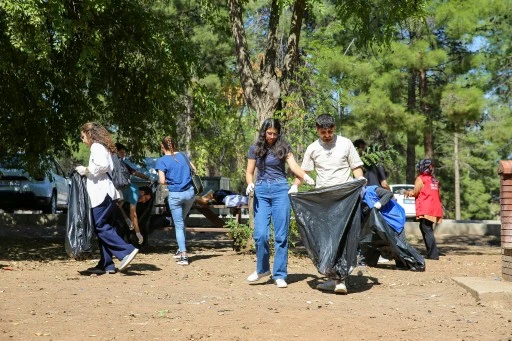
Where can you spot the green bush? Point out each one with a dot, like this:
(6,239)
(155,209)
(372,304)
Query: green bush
(240,233)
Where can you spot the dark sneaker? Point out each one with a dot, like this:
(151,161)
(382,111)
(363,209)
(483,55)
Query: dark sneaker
(100,271)
(177,255)
(183,260)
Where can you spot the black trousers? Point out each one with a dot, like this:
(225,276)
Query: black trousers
(427,231)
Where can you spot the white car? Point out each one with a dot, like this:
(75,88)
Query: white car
(407,203)
(19,190)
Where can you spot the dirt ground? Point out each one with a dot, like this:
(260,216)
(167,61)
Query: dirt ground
(47,296)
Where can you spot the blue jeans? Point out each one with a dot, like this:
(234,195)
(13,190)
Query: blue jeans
(271,201)
(180,204)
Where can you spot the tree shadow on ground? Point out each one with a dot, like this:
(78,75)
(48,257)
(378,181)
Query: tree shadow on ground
(38,249)
(28,243)
(459,245)
(137,269)
(21,243)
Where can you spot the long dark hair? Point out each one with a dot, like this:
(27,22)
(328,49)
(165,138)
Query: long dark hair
(279,149)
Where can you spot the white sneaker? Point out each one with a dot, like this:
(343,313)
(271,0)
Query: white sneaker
(327,286)
(281,283)
(382,260)
(127,260)
(340,288)
(255,276)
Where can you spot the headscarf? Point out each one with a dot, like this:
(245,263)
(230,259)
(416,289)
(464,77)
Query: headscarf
(423,166)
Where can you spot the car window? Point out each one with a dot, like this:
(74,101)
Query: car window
(400,189)
(10,162)
(58,169)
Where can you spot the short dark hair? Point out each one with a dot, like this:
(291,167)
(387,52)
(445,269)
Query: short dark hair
(360,143)
(325,121)
(120,146)
(145,189)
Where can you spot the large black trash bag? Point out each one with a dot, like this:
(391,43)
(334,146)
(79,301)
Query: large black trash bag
(378,238)
(329,221)
(80,236)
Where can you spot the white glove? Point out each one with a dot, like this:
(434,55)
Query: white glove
(250,188)
(82,170)
(308,180)
(294,188)
(377,205)
(139,237)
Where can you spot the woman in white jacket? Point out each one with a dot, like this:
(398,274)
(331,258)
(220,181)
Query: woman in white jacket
(102,194)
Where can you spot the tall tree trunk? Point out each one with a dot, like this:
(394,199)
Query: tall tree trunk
(428,139)
(457,174)
(262,92)
(412,137)
(185,126)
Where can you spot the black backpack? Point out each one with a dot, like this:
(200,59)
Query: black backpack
(120,174)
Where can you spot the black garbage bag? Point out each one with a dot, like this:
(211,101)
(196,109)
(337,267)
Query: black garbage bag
(378,238)
(80,236)
(329,221)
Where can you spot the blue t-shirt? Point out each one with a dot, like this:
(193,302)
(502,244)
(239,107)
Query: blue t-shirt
(270,167)
(176,170)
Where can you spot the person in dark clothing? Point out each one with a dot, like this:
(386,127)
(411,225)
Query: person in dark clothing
(374,173)
(131,194)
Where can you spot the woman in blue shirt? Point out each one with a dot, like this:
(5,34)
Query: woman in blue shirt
(269,154)
(174,171)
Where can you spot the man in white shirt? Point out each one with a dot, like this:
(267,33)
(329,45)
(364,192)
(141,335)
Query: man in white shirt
(335,160)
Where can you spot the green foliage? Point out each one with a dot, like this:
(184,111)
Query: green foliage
(373,155)
(123,64)
(293,233)
(240,233)
(129,65)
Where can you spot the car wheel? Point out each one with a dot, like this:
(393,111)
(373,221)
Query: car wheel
(52,206)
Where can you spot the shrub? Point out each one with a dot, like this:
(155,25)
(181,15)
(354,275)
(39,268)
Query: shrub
(240,233)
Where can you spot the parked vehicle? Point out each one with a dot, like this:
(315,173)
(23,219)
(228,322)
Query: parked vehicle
(408,204)
(19,190)
(148,169)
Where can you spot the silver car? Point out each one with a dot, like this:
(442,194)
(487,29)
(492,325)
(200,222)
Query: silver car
(408,204)
(19,190)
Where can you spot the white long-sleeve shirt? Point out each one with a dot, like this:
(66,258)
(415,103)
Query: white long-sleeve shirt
(98,181)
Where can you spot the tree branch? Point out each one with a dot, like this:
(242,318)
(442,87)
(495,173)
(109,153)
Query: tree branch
(292,55)
(271,50)
(242,51)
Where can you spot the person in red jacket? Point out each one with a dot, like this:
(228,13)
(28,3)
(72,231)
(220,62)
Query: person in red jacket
(428,205)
